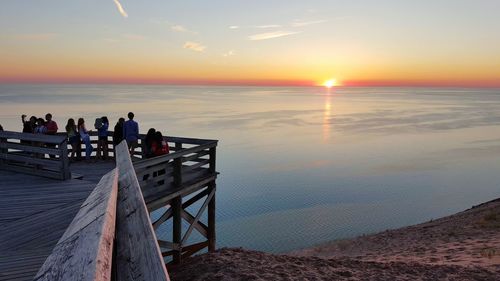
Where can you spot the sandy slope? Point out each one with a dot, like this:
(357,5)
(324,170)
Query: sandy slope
(465,246)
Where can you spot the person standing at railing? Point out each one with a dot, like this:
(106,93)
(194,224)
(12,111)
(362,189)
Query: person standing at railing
(73,138)
(102,142)
(84,135)
(131,133)
(51,130)
(28,126)
(42,130)
(147,144)
(118,132)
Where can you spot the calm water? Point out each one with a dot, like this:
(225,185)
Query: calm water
(301,166)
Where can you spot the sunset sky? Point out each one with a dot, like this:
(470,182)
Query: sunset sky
(276,42)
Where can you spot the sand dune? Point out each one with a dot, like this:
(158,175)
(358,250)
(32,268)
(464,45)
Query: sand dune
(464,246)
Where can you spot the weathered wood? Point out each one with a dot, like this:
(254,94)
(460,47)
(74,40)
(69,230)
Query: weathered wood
(192,249)
(34,214)
(29,148)
(32,137)
(212,159)
(201,227)
(160,201)
(197,165)
(163,218)
(141,164)
(198,216)
(138,256)
(65,171)
(211,219)
(177,228)
(85,250)
(27,154)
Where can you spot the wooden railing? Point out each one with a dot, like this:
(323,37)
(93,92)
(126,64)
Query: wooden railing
(111,237)
(178,170)
(42,155)
(189,172)
(174,143)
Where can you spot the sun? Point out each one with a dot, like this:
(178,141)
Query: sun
(330,83)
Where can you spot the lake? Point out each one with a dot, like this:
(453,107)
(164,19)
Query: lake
(301,166)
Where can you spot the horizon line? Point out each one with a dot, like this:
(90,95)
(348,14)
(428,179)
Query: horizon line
(256,82)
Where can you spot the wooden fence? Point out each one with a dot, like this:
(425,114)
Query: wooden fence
(41,155)
(111,237)
(167,180)
(174,143)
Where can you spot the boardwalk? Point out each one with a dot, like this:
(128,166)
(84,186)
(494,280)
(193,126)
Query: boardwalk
(35,212)
(59,220)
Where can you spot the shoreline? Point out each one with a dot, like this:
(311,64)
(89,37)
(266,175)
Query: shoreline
(462,246)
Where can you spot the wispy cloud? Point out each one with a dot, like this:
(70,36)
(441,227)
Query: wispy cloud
(229,53)
(179,28)
(120,8)
(197,47)
(36,36)
(299,23)
(234,27)
(271,35)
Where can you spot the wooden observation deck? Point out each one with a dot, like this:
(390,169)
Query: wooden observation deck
(97,221)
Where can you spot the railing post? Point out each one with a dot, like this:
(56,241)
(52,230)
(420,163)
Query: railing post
(211,218)
(177,208)
(212,160)
(63,148)
(177,229)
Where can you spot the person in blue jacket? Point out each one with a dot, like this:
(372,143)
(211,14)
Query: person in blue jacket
(131,133)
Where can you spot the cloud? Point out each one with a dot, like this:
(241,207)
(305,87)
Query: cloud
(37,36)
(120,8)
(234,27)
(271,35)
(182,29)
(229,53)
(197,47)
(306,23)
(178,28)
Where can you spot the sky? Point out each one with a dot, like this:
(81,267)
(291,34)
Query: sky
(241,42)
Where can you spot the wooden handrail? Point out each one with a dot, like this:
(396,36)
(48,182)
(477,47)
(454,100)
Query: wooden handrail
(138,256)
(26,153)
(51,139)
(113,219)
(85,251)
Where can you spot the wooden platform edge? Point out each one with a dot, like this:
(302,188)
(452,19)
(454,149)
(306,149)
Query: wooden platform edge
(138,255)
(85,251)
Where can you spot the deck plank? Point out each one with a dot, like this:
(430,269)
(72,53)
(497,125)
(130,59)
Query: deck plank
(34,214)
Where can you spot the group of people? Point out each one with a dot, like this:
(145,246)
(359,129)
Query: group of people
(155,144)
(77,133)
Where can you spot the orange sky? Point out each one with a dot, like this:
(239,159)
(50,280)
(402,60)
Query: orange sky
(377,44)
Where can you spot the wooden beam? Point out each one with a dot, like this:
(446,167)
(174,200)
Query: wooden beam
(192,249)
(163,218)
(85,250)
(138,255)
(177,227)
(202,228)
(211,219)
(198,216)
(32,137)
